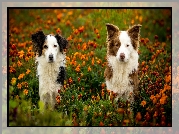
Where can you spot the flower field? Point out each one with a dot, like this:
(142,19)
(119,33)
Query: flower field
(85,99)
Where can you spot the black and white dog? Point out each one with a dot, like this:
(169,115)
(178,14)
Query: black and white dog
(50,65)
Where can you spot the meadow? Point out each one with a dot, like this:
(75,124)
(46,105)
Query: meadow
(85,99)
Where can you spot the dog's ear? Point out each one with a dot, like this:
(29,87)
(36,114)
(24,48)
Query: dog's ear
(134,32)
(111,30)
(38,39)
(62,42)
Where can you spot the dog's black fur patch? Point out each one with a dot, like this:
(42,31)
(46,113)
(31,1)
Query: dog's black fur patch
(38,39)
(61,75)
(62,42)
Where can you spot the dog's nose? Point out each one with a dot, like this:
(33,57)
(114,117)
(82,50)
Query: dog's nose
(50,57)
(122,56)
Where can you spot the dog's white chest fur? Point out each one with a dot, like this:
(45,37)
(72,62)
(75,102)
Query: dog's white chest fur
(48,74)
(120,81)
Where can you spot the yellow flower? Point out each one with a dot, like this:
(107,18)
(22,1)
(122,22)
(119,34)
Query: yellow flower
(98,61)
(13,81)
(28,71)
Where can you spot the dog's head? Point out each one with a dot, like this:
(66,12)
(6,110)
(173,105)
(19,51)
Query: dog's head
(122,43)
(48,46)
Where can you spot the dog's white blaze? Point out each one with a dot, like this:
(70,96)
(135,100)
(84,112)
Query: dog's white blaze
(119,82)
(125,40)
(51,41)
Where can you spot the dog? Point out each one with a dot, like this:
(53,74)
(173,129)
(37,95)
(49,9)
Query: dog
(50,65)
(121,72)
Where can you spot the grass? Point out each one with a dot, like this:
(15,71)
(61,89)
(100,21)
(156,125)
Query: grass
(84,101)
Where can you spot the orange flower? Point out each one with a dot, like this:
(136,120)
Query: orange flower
(91,53)
(81,29)
(92,62)
(26,58)
(143,103)
(21,76)
(13,81)
(73,62)
(78,46)
(69,38)
(83,57)
(83,63)
(167,87)
(98,36)
(132,21)
(11,69)
(80,40)
(70,12)
(120,110)
(58,99)
(152,97)
(89,69)
(25,84)
(102,93)
(25,91)
(84,46)
(143,63)
(21,54)
(168,78)
(101,123)
(76,31)
(19,86)
(163,100)
(68,23)
(154,100)
(28,71)
(96,31)
(126,121)
(58,30)
(67,58)
(30,49)
(138,116)
(77,68)
(59,16)
(98,61)
(19,63)
(103,85)
(70,80)
(155,114)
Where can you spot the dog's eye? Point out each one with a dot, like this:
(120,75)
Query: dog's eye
(45,46)
(127,45)
(55,45)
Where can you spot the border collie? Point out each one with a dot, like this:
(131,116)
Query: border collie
(121,73)
(50,65)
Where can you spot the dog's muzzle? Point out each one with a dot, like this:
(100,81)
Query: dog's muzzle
(50,58)
(122,56)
